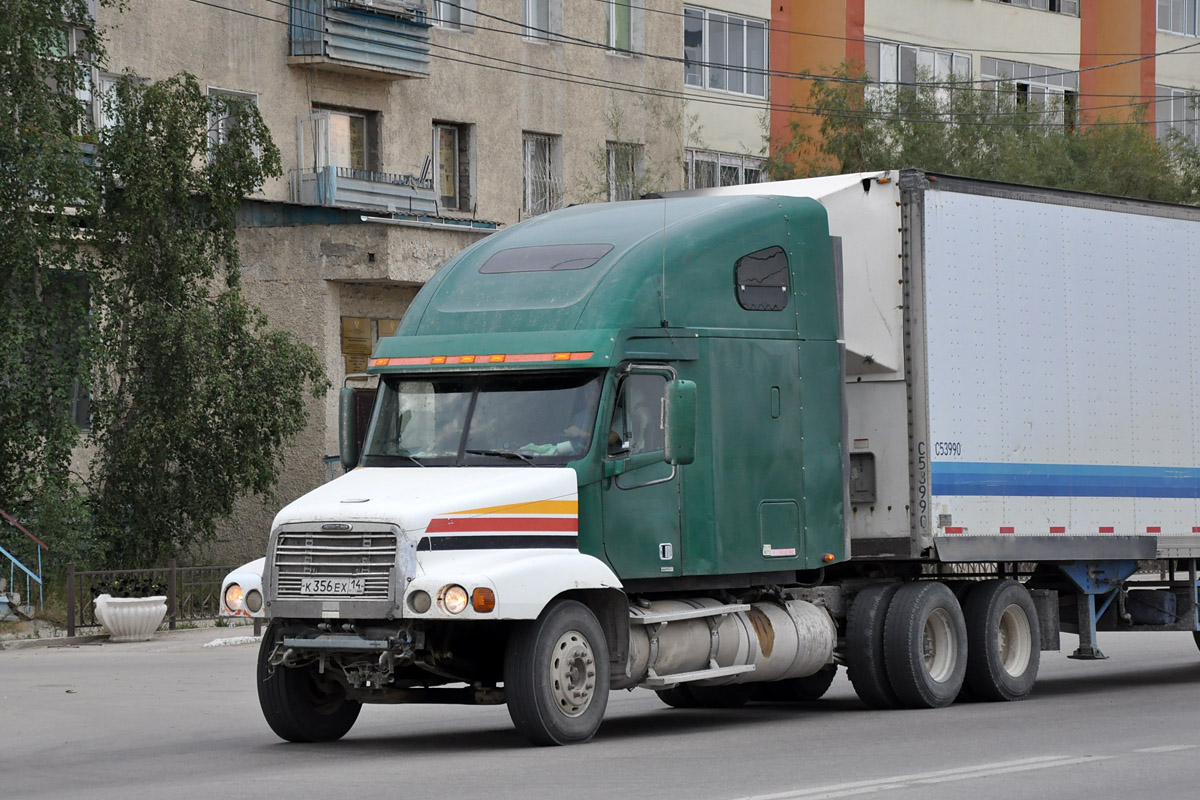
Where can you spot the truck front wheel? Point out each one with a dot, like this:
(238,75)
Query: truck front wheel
(556,675)
(299,704)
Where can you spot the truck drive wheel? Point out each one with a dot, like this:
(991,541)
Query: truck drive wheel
(864,645)
(925,645)
(556,675)
(299,704)
(1003,641)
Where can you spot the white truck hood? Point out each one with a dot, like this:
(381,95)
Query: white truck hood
(451,500)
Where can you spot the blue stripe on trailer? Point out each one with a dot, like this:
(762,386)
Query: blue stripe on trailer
(1062,480)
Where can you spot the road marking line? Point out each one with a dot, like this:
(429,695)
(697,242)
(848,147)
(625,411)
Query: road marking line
(1167,748)
(897,782)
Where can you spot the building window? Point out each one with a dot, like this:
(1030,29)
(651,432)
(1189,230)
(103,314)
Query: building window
(625,170)
(706,170)
(537,20)
(889,63)
(221,120)
(446,13)
(1177,109)
(1050,90)
(543,173)
(724,53)
(452,165)
(1179,16)
(1070,7)
(619,25)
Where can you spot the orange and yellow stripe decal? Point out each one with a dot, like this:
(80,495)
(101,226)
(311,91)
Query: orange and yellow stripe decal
(543,516)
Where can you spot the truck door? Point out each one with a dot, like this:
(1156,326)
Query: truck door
(641,490)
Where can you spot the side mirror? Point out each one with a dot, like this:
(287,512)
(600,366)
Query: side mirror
(348,428)
(681,422)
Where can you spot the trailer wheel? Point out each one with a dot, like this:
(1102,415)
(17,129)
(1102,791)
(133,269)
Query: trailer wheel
(556,675)
(1003,641)
(806,689)
(299,704)
(864,646)
(925,645)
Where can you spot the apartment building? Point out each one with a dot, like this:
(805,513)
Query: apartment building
(409,129)
(1098,59)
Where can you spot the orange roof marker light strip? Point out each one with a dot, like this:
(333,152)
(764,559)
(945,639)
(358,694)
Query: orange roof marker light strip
(494,358)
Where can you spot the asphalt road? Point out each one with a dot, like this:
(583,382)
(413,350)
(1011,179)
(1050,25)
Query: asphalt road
(174,719)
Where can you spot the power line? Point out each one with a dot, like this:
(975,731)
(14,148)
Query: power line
(513,67)
(980,84)
(791,32)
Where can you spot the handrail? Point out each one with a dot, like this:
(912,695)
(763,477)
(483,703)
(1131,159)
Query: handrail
(15,563)
(23,530)
(20,566)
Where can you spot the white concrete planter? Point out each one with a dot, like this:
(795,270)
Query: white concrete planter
(130,619)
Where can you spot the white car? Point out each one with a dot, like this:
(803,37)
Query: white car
(241,591)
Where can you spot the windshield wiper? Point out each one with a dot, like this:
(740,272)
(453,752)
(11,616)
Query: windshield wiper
(502,454)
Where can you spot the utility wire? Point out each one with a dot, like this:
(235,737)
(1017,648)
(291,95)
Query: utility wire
(791,32)
(520,68)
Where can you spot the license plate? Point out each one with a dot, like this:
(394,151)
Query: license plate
(329,586)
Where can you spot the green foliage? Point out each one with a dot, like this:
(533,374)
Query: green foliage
(196,397)
(129,586)
(119,274)
(46,194)
(989,134)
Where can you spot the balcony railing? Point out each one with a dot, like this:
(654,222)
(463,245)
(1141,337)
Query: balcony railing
(385,39)
(357,188)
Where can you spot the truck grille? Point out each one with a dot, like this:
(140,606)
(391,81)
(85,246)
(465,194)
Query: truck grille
(322,554)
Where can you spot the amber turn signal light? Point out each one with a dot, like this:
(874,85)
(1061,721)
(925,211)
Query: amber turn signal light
(483,600)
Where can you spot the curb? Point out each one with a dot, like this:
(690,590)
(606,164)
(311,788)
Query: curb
(59,641)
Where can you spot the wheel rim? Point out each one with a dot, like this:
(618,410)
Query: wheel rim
(1014,640)
(573,673)
(938,646)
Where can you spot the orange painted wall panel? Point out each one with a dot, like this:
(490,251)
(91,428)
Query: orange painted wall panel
(1112,31)
(836,28)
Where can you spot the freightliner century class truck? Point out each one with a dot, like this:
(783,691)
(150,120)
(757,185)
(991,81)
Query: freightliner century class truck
(719,445)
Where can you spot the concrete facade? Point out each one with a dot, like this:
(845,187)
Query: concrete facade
(490,80)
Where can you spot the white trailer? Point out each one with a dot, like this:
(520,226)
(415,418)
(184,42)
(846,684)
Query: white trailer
(1022,370)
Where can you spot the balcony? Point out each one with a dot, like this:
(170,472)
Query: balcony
(357,188)
(382,39)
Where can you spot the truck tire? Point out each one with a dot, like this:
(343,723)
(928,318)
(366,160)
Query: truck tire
(556,675)
(299,704)
(806,689)
(925,645)
(1003,641)
(864,646)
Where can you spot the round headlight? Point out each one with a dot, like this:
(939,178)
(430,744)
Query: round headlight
(420,601)
(233,597)
(453,599)
(254,601)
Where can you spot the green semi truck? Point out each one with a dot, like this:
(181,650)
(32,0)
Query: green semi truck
(718,445)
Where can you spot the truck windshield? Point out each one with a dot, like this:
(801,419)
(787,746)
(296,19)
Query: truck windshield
(483,420)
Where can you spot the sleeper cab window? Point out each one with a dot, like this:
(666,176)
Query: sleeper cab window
(762,280)
(545,258)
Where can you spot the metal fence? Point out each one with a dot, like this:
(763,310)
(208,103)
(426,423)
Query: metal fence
(193,593)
